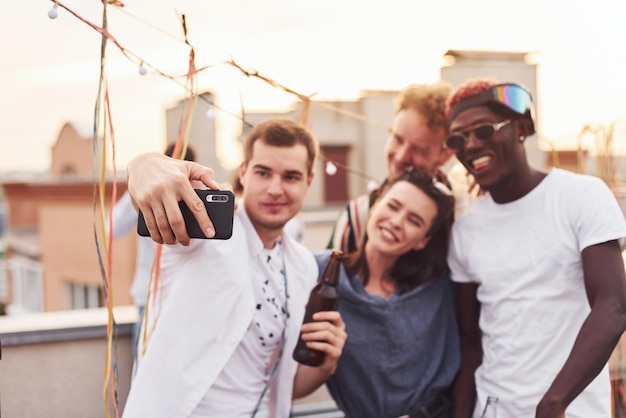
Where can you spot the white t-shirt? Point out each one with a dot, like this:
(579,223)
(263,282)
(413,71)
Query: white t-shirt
(240,385)
(526,258)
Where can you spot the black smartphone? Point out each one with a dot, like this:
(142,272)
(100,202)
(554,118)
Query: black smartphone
(220,206)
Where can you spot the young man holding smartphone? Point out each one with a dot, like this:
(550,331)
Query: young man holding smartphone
(228,312)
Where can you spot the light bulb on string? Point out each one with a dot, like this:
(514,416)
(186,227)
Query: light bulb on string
(142,69)
(210,114)
(331,169)
(372,185)
(53,13)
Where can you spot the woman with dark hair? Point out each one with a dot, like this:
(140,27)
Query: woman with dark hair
(395,297)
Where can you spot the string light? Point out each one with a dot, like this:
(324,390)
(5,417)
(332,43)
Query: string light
(210,114)
(53,13)
(142,69)
(372,185)
(331,169)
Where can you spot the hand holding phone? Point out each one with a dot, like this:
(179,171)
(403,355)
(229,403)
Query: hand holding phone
(220,206)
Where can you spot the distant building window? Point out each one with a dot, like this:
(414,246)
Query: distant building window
(68,170)
(27,280)
(82,296)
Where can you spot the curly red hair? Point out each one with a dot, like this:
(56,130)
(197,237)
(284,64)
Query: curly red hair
(469,88)
(429,100)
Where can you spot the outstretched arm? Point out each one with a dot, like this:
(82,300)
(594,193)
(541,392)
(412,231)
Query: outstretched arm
(605,283)
(326,333)
(157,183)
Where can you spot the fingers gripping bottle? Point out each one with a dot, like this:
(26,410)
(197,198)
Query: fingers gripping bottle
(323,297)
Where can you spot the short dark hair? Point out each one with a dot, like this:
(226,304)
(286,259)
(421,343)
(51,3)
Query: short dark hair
(281,132)
(190,154)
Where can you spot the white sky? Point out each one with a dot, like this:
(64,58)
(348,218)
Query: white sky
(50,68)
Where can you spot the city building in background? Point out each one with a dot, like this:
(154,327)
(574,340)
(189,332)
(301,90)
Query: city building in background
(50,257)
(352,135)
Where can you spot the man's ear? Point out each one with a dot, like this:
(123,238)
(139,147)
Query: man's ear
(525,127)
(242,171)
(309,179)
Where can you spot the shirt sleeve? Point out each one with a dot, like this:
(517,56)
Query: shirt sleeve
(124,217)
(456,261)
(596,215)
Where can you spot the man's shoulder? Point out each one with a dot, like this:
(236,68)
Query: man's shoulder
(575,186)
(297,250)
(302,260)
(559,175)
(361,199)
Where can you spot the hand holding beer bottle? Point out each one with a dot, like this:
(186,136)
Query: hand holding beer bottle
(323,297)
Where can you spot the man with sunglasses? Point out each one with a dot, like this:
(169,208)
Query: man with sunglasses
(541,283)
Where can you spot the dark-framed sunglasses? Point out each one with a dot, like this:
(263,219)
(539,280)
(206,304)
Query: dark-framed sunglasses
(482,132)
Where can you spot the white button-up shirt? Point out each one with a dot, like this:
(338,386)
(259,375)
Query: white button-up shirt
(205,303)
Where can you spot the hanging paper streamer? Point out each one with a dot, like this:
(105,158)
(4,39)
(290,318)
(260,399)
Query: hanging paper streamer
(180,149)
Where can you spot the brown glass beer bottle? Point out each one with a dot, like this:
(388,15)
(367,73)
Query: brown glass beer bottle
(323,297)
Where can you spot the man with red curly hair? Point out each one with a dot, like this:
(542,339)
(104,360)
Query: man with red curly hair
(541,283)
